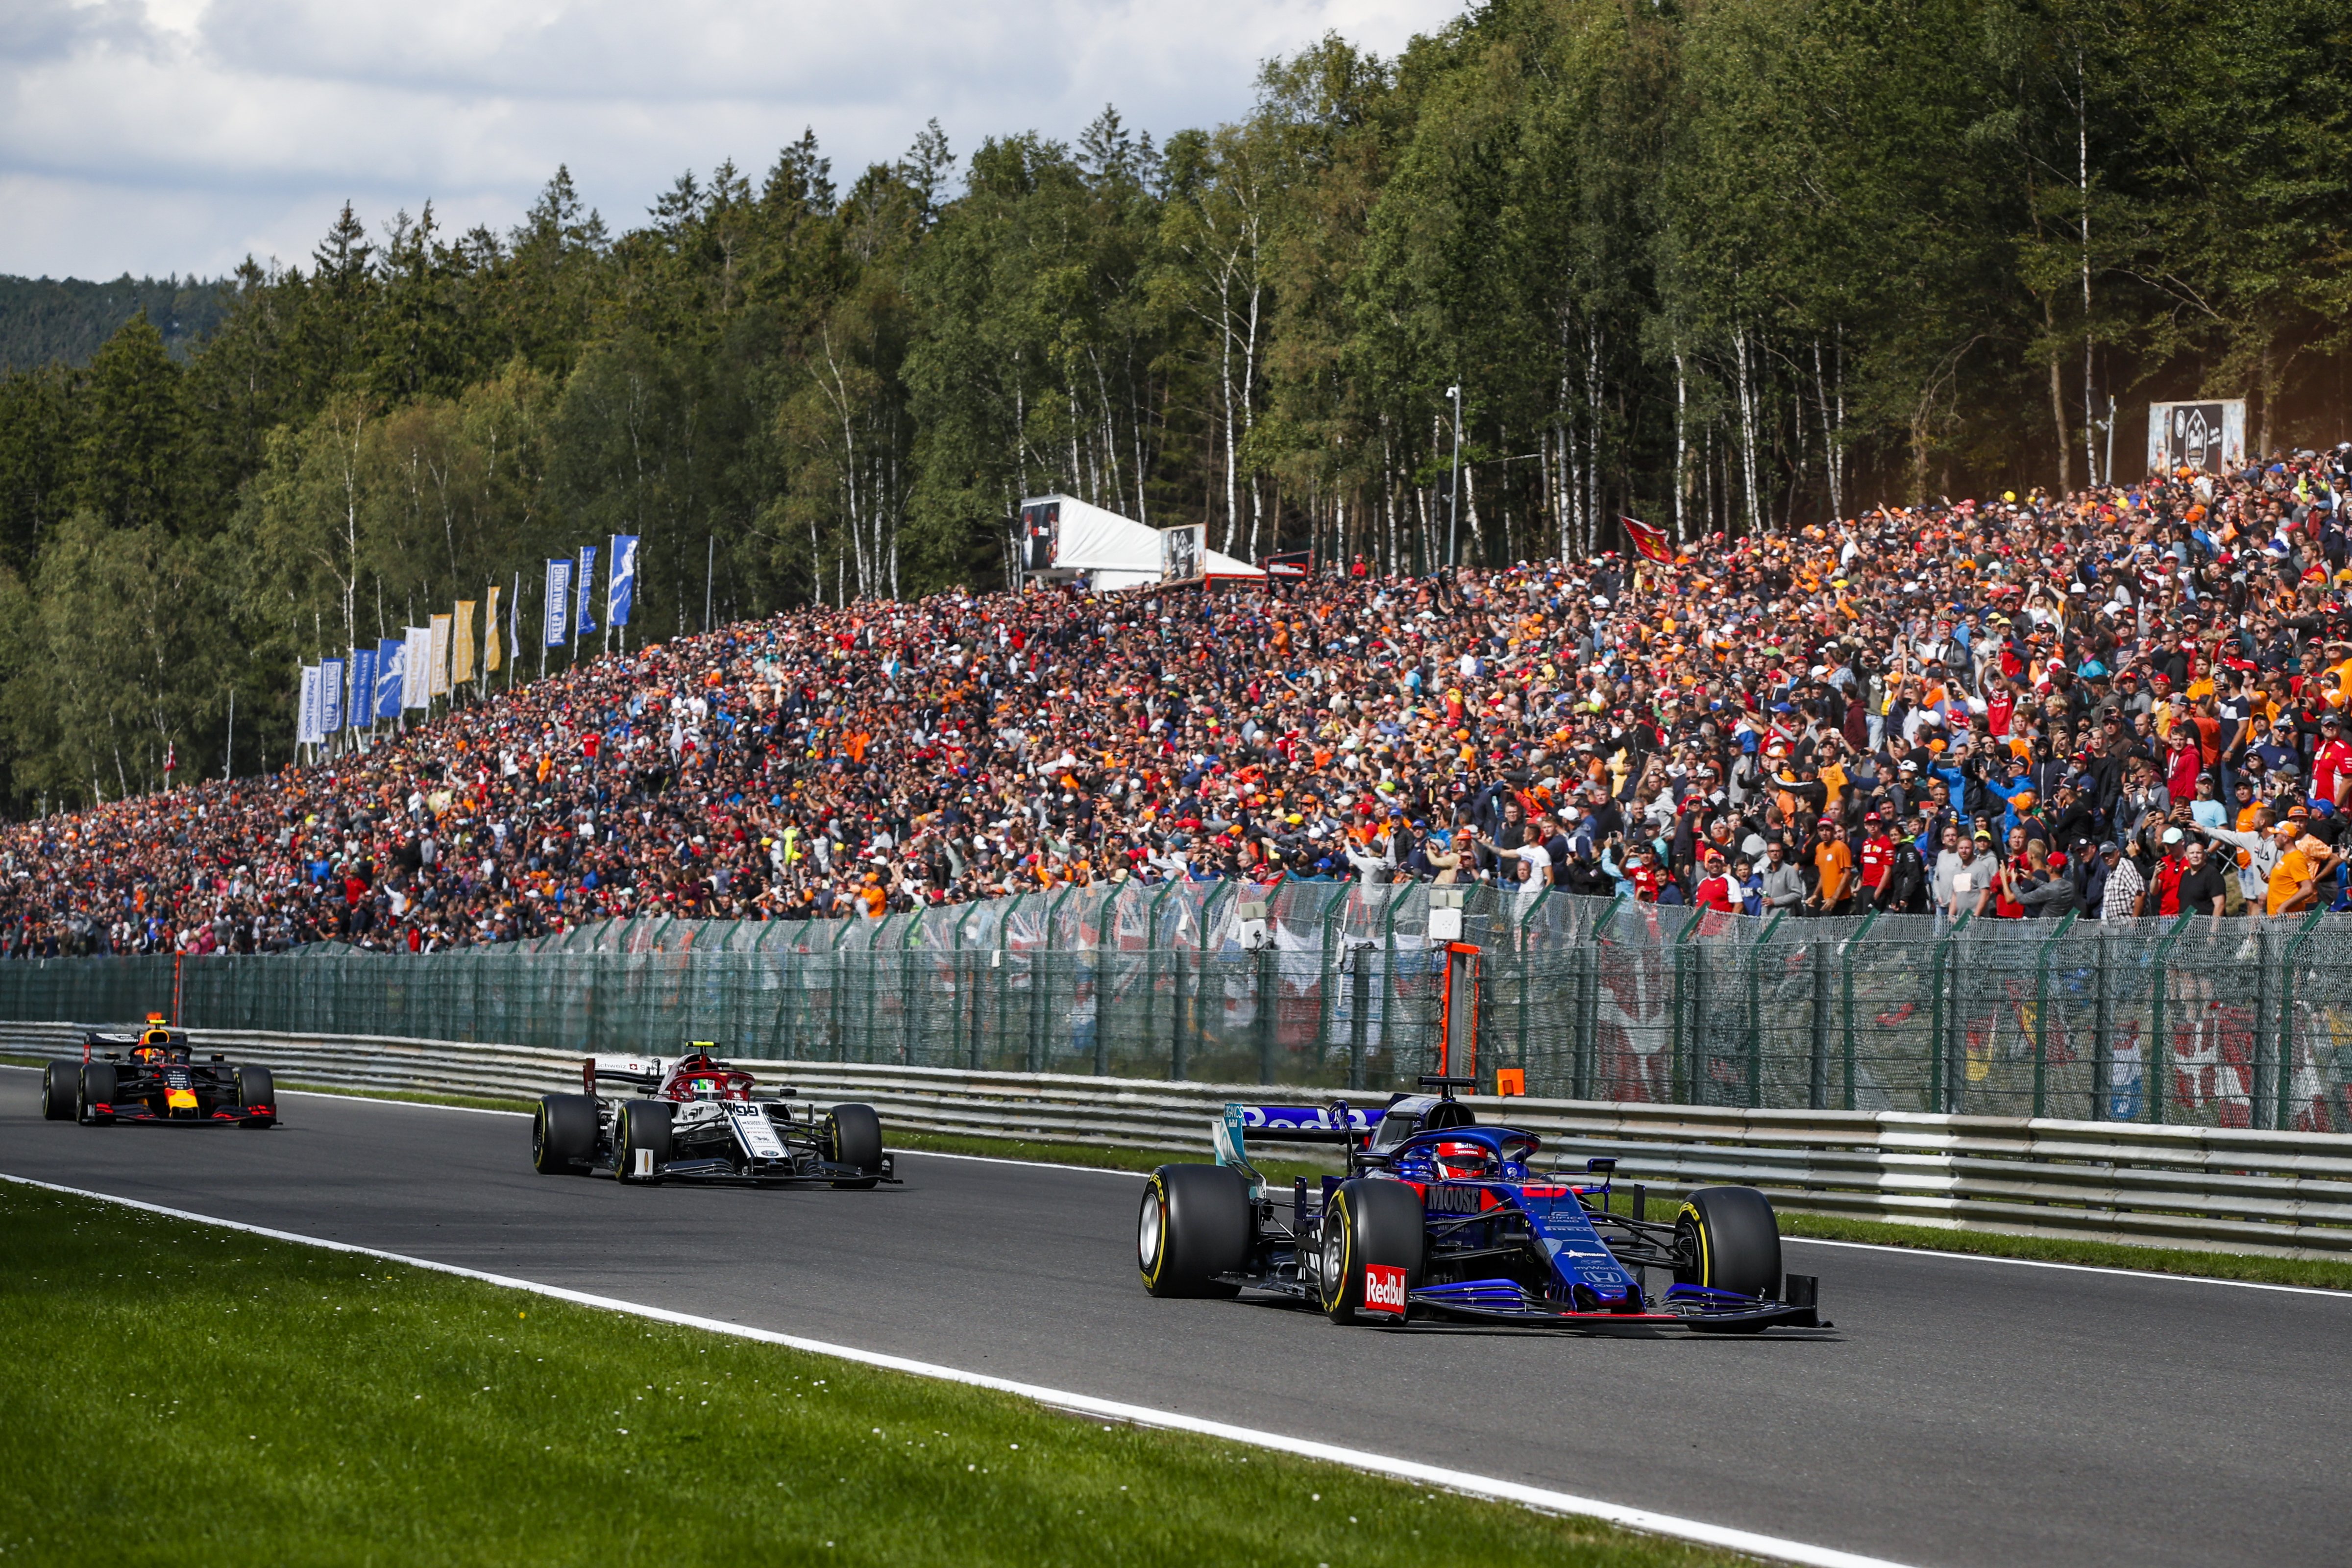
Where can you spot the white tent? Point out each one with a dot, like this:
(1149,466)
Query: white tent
(1113,552)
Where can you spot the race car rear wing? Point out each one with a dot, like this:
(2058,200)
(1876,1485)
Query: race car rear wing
(625,1072)
(1337,1122)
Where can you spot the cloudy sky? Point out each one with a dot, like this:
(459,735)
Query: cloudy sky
(159,136)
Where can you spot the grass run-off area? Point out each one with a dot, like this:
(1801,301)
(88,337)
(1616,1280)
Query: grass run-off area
(180,1393)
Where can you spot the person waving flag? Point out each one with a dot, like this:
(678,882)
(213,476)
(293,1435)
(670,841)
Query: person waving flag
(1650,541)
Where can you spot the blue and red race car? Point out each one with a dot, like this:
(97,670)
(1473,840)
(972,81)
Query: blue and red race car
(1438,1216)
(155,1075)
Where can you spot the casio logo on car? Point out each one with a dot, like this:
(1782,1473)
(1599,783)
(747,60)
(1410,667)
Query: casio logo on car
(1383,1288)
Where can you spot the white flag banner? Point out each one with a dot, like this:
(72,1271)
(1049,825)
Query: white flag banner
(416,680)
(305,713)
(439,683)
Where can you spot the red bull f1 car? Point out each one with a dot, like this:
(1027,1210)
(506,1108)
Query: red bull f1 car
(693,1118)
(155,1076)
(1441,1217)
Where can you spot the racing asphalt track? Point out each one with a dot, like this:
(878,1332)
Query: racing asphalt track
(1965,1412)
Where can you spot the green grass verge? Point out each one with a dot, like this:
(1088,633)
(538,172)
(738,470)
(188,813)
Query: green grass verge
(180,1393)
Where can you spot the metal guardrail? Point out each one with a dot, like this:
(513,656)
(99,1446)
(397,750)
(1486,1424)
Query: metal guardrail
(2236,1188)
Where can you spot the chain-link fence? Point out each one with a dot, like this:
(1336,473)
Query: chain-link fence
(2240,1023)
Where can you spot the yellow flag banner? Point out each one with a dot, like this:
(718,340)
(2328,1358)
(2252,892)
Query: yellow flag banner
(493,647)
(461,644)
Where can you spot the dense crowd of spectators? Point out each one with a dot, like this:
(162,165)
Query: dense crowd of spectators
(2127,701)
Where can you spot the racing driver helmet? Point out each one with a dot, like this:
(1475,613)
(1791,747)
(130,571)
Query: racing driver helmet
(1463,1160)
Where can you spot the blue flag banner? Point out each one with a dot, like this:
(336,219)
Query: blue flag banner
(331,697)
(559,603)
(621,595)
(391,677)
(587,587)
(363,708)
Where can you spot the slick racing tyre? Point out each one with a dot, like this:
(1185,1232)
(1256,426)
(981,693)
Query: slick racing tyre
(1194,1225)
(98,1087)
(1727,1240)
(642,1126)
(258,1087)
(1370,1252)
(60,1082)
(564,1133)
(852,1136)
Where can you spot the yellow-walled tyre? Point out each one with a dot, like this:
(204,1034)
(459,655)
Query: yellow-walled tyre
(1370,1252)
(1729,1240)
(1193,1225)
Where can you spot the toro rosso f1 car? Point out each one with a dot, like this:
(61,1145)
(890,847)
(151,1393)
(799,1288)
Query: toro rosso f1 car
(696,1118)
(155,1076)
(1439,1216)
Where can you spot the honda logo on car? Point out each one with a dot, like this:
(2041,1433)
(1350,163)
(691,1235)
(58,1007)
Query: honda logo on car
(1383,1288)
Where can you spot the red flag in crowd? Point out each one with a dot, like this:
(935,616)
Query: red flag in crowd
(1650,541)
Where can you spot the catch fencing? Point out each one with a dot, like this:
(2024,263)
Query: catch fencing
(2236,1023)
(2199,1185)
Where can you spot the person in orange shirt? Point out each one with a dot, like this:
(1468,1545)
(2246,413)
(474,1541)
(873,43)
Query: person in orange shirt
(2295,880)
(1834,861)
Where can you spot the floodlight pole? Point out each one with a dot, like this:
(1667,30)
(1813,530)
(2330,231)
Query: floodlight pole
(1454,499)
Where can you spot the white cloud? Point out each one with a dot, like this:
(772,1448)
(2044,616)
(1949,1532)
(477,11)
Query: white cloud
(179,135)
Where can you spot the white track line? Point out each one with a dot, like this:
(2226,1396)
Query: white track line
(1537,1497)
(2073,1268)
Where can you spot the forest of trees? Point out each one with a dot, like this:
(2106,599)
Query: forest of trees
(47,321)
(1727,265)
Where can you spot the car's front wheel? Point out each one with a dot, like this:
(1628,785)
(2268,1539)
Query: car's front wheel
(1727,1238)
(98,1085)
(256,1095)
(852,1136)
(641,1139)
(1373,1233)
(60,1083)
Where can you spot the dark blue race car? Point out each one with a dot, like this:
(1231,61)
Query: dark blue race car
(1439,1216)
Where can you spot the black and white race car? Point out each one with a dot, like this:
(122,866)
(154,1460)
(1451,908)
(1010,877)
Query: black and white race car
(693,1118)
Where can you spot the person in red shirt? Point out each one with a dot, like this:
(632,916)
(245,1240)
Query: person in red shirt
(1715,888)
(2331,765)
(1877,853)
(2183,761)
(2164,888)
(1999,706)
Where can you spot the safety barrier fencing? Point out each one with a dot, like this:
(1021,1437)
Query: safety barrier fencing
(2230,1187)
(2243,1023)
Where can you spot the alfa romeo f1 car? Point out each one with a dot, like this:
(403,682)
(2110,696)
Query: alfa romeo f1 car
(1439,1216)
(155,1076)
(694,1118)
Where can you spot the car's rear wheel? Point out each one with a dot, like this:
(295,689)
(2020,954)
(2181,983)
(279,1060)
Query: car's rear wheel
(60,1083)
(1195,1224)
(564,1133)
(852,1136)
(641,1139)
(1373,1234)
(257,1093)
(98,1085)
(1726,1238)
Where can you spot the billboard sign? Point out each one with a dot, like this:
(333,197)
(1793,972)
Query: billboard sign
(1041,528)
(2204,437)
(1183,552)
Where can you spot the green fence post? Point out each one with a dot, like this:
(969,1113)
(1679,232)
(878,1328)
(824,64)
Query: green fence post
(1587,1030)
(1845,963)
(2042,1013)
(1755,1009)
(1519,944)
(1939,1091)
(1679,1066)
(2303,933)
(2156,1059)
